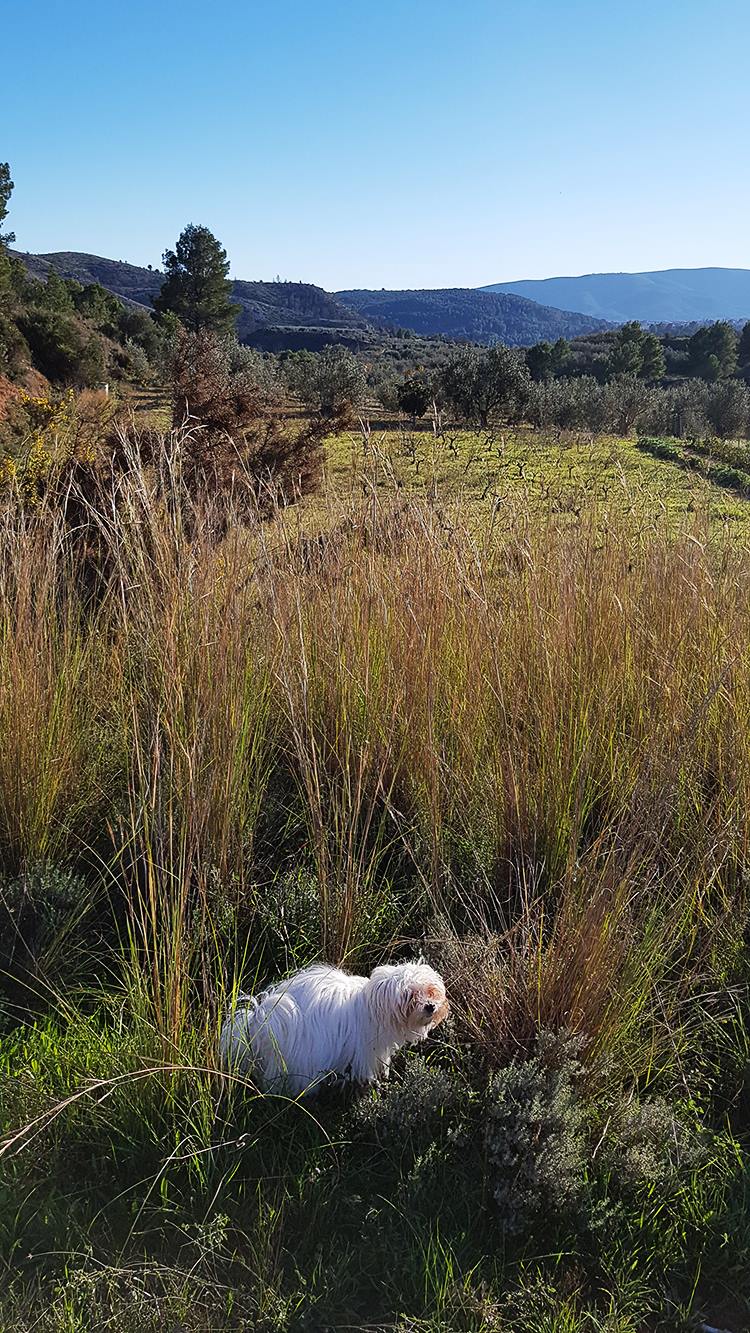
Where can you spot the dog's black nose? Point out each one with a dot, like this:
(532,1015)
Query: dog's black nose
(429,1008)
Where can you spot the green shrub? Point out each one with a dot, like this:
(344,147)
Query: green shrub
(39,909)
(417,1108)
(654,1146)
(536,1134)
(62,347)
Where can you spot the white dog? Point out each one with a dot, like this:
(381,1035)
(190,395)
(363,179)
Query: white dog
(324,1022)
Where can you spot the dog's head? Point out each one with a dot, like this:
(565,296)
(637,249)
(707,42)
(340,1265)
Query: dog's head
(409,998)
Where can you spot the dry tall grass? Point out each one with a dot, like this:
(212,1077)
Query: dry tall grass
(531,749)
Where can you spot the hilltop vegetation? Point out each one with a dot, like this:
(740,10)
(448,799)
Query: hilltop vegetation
(293,314)
(457,312)
(70,334)
(274,305)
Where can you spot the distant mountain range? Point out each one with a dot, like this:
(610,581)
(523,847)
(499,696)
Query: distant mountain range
(275,315)
(462,312)
(670,295)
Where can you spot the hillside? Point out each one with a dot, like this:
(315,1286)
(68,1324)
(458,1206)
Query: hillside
(128,281)
(285,308)
(673,295)
(277,315)
(459,312)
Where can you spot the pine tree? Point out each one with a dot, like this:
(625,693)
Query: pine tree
(55,294)
(196,287)
(560,355)
(713,351)
(626,357)
(540,361)
(13,349)
(653,363)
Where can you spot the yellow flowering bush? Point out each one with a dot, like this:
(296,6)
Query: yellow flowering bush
(40,434)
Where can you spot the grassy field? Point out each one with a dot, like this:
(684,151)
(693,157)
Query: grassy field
(482,474)
(483,698)
(554,473)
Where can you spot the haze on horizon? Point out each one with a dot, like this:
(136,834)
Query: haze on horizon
(419,144)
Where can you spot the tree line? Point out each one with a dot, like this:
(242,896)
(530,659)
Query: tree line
(479,386)
(712,352)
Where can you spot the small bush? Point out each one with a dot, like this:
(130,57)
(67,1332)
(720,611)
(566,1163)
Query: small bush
(233,445)
(134,1298)
(536,1134)
(417,1108)
(289,911)
(653,1146)
(38,906)
(62,347)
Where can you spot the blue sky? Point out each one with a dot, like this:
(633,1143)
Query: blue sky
(408,143)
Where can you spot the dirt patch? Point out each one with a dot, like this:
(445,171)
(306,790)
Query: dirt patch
(35,383)
(8,392)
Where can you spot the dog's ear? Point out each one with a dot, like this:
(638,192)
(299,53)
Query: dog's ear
(391,994)
(406,996)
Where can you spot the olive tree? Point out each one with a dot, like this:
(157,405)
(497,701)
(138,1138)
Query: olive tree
(627,401)
(486,384)
(728,409)
(327,381)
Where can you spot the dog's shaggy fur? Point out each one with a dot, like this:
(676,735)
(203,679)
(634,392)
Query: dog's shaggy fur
(323,1022)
